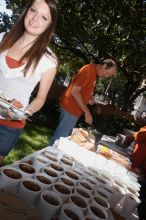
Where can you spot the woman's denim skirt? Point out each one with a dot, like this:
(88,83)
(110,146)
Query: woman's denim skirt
(8,138)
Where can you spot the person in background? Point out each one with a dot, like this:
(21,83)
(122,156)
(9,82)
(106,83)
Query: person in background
(25,61)
(77,96)
(138,160)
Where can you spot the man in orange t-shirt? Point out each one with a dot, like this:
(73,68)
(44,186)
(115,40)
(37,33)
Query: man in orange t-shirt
(138,157)
(74,101)
(138,160)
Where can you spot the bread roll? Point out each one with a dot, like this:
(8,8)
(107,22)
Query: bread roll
(83,132)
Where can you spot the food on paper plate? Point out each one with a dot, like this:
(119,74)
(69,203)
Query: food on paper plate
(16,103)
(104,151)
(113,155)
(87,145)
(12,109)
(13,102)
(78,138)
(84,133)
(81,137)
(120,159)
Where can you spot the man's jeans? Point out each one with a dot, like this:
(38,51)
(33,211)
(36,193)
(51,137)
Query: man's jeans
(67,122)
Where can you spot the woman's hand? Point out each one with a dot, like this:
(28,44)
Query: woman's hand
(28,112)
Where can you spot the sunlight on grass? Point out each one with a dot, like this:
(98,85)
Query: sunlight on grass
(33,139)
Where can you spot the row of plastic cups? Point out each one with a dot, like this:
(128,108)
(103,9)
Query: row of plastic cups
(56,156)
(49,199)
(41,161)
(64,164)
(72,179)
(123,191)
(128,186)
(65,161)
(27,194)
(30,188)
(27,170)
(126,210)
(11,175)
(45,158)
(128,183)
(54,169)
(118,193)
(75,208)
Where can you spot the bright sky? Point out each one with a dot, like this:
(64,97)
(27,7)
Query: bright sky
(3,7)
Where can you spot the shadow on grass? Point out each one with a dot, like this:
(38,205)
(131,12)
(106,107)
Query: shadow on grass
(33,139)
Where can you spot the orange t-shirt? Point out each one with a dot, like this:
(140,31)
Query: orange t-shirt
(12,63)
(138,157)
(86,78)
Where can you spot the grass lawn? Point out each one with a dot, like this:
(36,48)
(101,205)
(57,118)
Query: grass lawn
(34,138)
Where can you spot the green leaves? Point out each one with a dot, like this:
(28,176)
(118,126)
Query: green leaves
(90,30)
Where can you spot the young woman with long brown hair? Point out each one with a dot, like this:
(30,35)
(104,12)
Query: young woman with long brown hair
(25,61)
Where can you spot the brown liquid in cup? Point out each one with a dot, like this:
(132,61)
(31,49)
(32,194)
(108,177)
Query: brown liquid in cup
(52,153)
(62,189)
(131,197)
(50,173)
(108,190)
(72,175)
(66,162)
(86,185)
(67,157)
(131,190)
(78,201)
(86,171)
(71,214)
(67,181)
(51,200)
(101,181)
(117,189)
(118,183)
(56,167)
(41,160)
(97,212)
(51,158)
(94,171)
(88,218)
(102,194)
(101,202)
(43,179)
(28,161)
(90,181)
(27,168)
(31,186)
(106,177)
(78,172)
(83,193)
(12,173)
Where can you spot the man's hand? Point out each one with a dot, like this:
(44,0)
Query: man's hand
(92,101)
(88,117)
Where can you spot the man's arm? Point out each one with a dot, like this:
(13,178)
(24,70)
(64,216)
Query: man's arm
(76,93)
